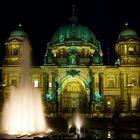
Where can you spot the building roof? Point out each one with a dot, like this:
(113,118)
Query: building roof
(19,33)
(127,33)
(74,32)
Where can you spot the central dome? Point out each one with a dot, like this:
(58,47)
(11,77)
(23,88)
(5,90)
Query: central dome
(73,44)
(73,32)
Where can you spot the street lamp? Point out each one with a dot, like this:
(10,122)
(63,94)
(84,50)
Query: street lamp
(130,85)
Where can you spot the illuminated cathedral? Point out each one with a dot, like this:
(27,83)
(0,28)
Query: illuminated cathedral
(73,76)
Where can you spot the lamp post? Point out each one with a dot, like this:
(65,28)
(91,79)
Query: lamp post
(130,85)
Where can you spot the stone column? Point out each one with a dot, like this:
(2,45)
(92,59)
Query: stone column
(92,87)
(58,102)
(139,79)
(45,84)
(53,87)
(45,90)
(123,91)
(122,86)
(7,79)
(91,92)
(54,91)
(101,83)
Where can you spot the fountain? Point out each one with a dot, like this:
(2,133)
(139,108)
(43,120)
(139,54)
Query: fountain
(75,123)
(23,110)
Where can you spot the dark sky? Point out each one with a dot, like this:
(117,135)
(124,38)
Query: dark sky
(40,19)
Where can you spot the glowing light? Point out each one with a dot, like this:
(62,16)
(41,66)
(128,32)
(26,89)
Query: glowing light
(109,134)
(108,102)
(36,83)
(126,24)
(20,25)
(49,130)
(50,84)
(3,84)
(130,85)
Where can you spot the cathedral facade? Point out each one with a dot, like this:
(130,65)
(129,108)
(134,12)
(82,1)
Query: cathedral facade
(73,75)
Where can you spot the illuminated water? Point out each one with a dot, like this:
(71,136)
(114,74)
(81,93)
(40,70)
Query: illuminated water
(23,110)
(77,121)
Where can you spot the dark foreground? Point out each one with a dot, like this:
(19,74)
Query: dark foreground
(93,129)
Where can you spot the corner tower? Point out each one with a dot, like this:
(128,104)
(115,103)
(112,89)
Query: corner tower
(13,47)
(128,48)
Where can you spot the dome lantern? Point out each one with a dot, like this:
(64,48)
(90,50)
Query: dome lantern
(73,19)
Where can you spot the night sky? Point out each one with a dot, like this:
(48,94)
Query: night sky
(41,19)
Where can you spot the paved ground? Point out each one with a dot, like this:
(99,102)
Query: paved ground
(101,128)
(94,128)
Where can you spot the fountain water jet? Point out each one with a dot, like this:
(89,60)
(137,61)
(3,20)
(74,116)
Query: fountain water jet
(23,110)
(76,123)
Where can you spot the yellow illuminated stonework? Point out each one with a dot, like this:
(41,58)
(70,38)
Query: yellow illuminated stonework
(131,49)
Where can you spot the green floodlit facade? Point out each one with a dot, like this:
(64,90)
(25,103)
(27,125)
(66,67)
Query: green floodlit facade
(73,75)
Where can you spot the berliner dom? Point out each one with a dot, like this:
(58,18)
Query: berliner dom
(73,75)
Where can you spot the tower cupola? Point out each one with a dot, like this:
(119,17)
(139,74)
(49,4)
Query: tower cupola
(128,48)
(13,46)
